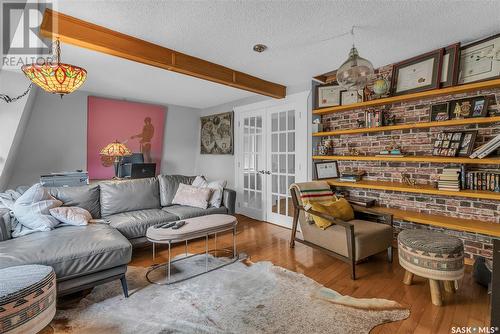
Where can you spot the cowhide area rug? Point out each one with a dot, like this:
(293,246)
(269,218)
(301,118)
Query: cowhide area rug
(243,297)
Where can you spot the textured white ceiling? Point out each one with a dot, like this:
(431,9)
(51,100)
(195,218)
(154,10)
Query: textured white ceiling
(300,36)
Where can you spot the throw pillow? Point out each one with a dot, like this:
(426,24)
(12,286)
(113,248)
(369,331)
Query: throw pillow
(192,196)
(217,189)
(71,215)
(32,209)
(340,209)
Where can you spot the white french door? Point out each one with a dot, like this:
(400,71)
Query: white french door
(271,154)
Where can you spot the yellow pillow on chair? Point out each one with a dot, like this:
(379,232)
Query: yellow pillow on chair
(340,209)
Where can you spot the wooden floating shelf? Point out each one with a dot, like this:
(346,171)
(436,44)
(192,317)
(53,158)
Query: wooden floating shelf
(417,189)
(411,97)
(459,224)
(423,125)
(411,158)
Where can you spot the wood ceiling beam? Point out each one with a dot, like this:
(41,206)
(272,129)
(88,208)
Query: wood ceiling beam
(90,36)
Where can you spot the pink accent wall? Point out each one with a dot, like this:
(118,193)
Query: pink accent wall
(109,120)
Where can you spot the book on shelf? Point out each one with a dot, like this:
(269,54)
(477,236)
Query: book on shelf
(486,149)
(349,179)
(351,176)
(488,180)
(391,155)
(364,202)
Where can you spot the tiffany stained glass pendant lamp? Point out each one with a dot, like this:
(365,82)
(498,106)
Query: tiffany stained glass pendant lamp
(56,78)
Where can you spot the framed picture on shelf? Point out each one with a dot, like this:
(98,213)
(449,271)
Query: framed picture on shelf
(417,74)
(450,66)
(440,112)
(479,60)
(328,95)
(326,170)
(467,145)
(350,97)
(447,144)
(479,106)
(461,108)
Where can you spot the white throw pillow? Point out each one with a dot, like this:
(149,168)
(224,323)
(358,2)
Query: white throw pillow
(71,215)
(32,209)
(217,189)
(192,196)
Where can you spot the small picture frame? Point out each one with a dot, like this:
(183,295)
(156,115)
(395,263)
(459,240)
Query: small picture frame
(479,106)
(440,112)
(467,144)
(350,97)
(461,109)
(418,74)
(326,170)
(328,95)
(450,65)
(447,144)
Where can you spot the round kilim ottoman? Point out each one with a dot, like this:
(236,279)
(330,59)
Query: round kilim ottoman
(27,298)
(433,255)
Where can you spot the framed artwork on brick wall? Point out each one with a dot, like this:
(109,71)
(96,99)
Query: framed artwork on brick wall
(479,61)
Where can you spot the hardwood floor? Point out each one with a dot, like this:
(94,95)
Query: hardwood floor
(376,278)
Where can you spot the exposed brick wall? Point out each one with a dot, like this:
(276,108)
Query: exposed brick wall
(418,142)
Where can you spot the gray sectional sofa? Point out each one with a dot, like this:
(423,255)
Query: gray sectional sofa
(85,256)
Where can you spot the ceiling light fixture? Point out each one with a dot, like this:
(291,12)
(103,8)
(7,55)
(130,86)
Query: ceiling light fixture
(56,78)
(355,72)
(259,48)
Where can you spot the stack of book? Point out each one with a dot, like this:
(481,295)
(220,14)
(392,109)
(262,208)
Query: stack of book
(483,180)
(450,179)
(354,176)
(486,149)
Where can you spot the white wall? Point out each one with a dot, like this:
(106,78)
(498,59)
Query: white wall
(13,120)
(56,138)
(222,167)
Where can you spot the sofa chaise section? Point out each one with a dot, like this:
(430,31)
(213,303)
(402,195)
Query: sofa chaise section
(82,256)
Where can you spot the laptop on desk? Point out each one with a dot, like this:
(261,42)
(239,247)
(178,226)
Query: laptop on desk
(143,170)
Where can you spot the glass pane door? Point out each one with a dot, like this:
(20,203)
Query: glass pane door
(253,165)
(282,165)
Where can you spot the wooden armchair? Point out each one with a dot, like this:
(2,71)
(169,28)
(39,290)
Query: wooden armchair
(350,241)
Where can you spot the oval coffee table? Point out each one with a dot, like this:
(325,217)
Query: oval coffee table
(194,228)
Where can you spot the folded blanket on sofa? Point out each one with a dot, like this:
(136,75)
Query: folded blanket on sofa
(313,192)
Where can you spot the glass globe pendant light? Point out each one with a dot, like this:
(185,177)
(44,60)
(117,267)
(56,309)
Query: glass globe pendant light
(355,72)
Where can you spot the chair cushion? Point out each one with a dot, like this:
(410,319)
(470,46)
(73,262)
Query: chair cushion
(340,209)
(370,237)
(85,197)
(129,195)
(134,224)
(185,212)
(72,251)
(169,185)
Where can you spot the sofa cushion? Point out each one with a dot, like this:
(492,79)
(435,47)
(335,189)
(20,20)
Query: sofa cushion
(72,251)
(71,215)
(85,197)
(32,210)
(169,185)
(129,195)
(185,212)
(192,196)
(134,224)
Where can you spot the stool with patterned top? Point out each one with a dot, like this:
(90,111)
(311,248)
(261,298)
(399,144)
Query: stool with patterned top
(433,255)
(27,298)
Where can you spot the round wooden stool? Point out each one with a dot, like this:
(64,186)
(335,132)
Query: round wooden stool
(433,255)
(27,298)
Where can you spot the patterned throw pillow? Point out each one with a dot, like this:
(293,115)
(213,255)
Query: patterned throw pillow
(217,189)
(192,196)
(71,215)
(340,209)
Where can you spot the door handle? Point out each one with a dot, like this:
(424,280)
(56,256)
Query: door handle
(267,172)
(261,172)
